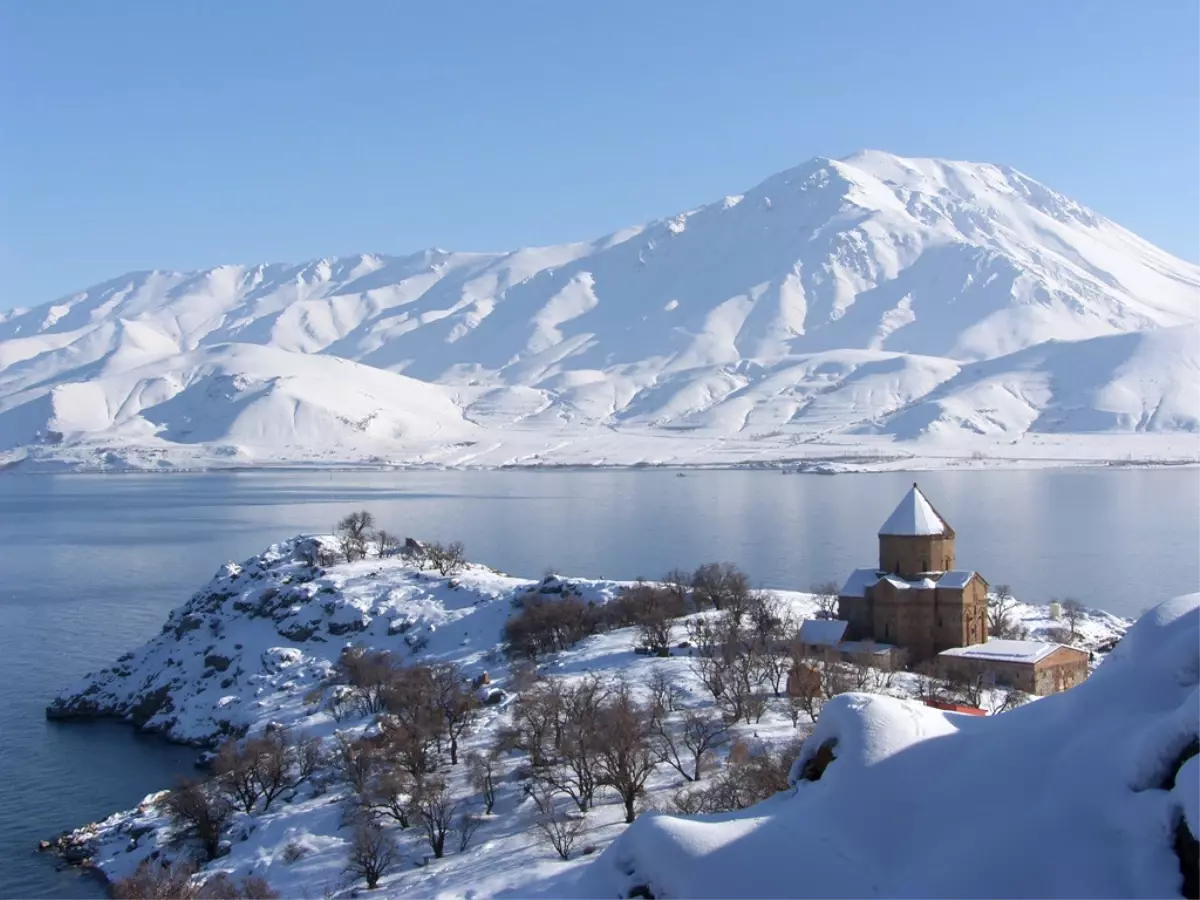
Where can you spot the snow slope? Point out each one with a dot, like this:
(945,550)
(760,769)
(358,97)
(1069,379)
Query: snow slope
(1077,795)
(829,301)
(1064,797)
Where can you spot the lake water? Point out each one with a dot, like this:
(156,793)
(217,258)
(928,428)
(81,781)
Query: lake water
(92,564)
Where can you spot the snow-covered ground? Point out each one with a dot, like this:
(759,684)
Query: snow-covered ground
(249,648)
(884,311)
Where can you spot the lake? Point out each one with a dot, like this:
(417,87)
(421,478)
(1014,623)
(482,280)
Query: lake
(92,565)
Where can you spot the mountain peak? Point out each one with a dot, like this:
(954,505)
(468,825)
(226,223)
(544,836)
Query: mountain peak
(838,297)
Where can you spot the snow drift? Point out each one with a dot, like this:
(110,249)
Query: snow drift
(1078,795)
(840,298)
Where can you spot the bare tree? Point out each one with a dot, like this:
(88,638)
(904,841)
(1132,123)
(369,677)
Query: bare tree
(235,773)
(202,809)
(688,746)
(1073,611)
(386,543)
(720,586)
(436,809)
(481,769)
(309,757)
(559,829)
(826,596)
(222,887)
(624,755)
(157,880)
(746,673)
(969,687)
(389,792)
(1000,606)
(465,827)
(665,695)
(679,582)
(353,532)
(456,702)
(652,609)
(369,675)
(537,721)
(805,689)
(574,764)
(273,764)
(354,759)
(371,854)
(448,558)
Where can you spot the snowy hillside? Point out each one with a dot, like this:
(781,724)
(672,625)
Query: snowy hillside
(1088,793)
(841,298)
(904,800)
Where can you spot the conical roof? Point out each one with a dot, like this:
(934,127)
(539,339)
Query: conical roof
(915,516)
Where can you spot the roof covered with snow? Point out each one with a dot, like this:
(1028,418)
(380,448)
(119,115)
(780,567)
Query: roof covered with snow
(956,578)
(1005,651)
(915,516)
(822,632)
(859,581)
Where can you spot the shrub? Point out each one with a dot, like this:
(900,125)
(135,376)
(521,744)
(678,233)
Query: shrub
(372,854)
(652,610)
(545,625)
(558,828)
(155,880)
(202,809)
(448,558)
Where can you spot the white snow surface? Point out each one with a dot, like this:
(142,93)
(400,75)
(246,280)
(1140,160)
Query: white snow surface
(892,312)
(1001,649)
(1059,798)
(914,515)
(908,783)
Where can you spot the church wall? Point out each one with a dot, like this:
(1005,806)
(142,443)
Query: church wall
(911,555)
(856,612)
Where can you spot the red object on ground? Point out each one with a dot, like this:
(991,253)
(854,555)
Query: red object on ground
(955,707)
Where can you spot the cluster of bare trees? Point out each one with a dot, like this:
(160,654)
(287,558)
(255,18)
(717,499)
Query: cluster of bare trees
(549,623)
(817,675)
(264,767)
(246,773)
(156,880)
(970,687)
(423,712)
(741,655)
(425,709)
(357,537)
(581,737)
(748,778)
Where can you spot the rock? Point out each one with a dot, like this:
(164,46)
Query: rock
(297,631)
(151,705)
(216,661)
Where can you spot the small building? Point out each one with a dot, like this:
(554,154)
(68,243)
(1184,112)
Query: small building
(915,598)
(819,637)
(1035,667)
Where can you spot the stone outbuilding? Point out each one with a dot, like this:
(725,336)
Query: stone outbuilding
(915,598)
(1031,666)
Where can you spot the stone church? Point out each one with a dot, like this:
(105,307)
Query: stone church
(915,599)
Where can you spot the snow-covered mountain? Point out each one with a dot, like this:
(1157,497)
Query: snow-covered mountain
(843,302)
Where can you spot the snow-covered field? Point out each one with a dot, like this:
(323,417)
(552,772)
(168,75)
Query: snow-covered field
(909,785)
(881,311)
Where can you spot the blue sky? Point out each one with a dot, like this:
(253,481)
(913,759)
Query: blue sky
(183,135)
